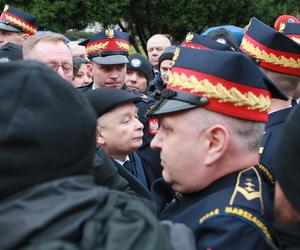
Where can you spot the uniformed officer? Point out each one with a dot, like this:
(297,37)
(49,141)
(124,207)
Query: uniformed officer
(108,51)
(16,26)
(211,119)
(279,57)
(139,73)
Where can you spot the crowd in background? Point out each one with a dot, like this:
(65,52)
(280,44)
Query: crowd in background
(193,146)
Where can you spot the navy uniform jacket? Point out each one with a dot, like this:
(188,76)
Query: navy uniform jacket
(134,181)
(149,157)
(232,213)
(273,131)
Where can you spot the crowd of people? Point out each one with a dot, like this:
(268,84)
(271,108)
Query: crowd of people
(191,146)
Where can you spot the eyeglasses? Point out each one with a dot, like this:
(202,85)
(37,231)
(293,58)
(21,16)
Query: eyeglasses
(67,68)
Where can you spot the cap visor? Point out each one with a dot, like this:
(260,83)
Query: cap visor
(169,106)
(7,27)
(114,59)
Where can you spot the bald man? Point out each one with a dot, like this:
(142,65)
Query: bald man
(155,46)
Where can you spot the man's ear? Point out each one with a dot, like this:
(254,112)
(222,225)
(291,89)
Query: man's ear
(100,140)
(217,141)
(25,36)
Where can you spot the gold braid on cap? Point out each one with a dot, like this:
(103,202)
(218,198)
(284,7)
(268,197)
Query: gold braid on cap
(20,24)
(297,40)
(97,47)
(218,91)
(122,45)
(270,58)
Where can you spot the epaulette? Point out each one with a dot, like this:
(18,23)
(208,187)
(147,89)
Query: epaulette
(248,190)
(246,203)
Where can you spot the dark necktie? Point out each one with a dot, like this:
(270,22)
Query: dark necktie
(129,167)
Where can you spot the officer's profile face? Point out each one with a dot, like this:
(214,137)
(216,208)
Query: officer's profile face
(136,80)
(285,213)
(112,76)
(56,55)
(119,132)
(181,142)
(12,37)
(165,68)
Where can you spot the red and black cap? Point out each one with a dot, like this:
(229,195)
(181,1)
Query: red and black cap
(108,47)
(193,40)
(15,20)
(282,20)
(271,48)
(221,81)
(292,30)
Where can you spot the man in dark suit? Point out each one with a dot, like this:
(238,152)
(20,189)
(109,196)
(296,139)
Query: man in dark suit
(108,51)
(120,133)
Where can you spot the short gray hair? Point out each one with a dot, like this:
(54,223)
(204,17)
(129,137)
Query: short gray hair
(247,134)
(30,43)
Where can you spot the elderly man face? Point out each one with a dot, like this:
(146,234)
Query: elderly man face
(119,131)
(155,46)
(56,55)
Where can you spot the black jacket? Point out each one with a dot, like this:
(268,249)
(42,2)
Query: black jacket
(74,213)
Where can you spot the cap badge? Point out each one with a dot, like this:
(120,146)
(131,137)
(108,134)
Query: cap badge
(281,27)
(5,8)
(135,62)
(110,33)
(189,37)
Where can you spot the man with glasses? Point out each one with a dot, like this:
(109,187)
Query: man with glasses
(51,49)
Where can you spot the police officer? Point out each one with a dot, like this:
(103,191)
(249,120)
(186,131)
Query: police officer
(16,26)
(278,56)
(211,119)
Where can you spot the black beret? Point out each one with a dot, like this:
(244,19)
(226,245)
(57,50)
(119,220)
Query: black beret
(11,52)
(138,62)
(287,157)
(104,100)
(47,127)
(167,54)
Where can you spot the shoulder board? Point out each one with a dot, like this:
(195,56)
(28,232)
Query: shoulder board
(248,190)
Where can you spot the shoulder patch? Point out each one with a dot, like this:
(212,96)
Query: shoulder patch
(248,190)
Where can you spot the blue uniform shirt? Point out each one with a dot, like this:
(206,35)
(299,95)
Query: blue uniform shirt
(232,213)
